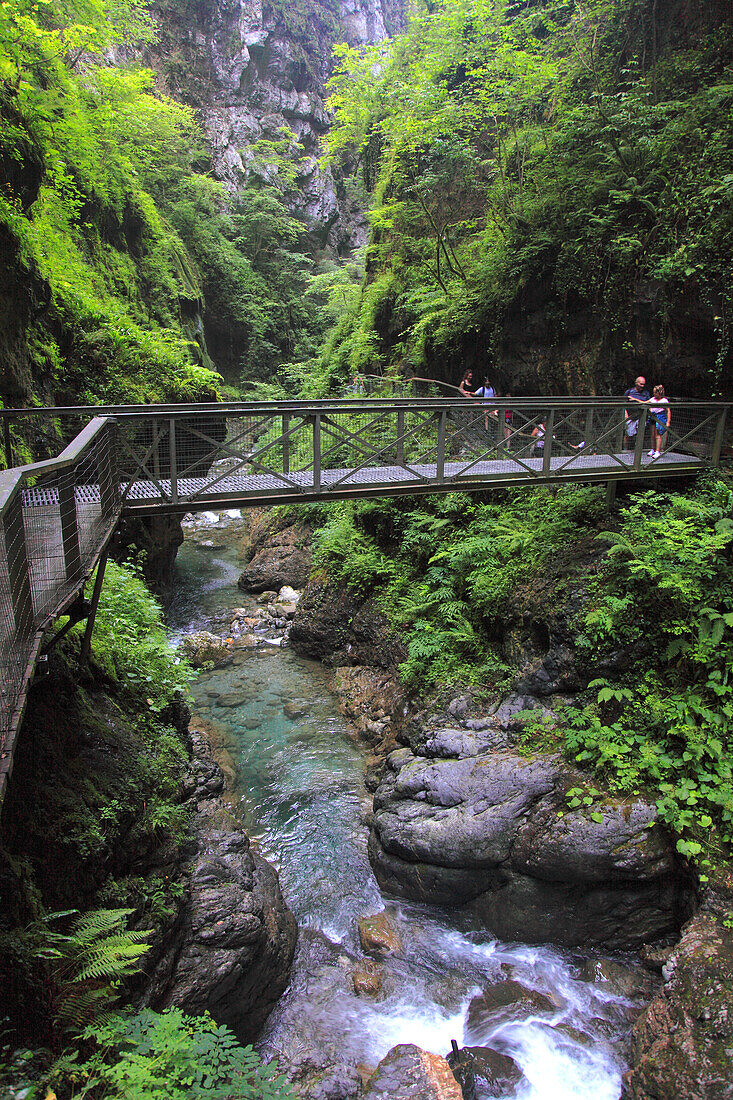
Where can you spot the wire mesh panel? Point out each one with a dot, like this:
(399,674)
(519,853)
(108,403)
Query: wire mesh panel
(55,517)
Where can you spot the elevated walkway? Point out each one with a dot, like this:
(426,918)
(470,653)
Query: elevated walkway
(57,515)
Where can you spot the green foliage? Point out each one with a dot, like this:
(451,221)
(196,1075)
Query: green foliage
(666,590)
(166,1056)
(80,970)
(82,147)
(515,143)
(129,642)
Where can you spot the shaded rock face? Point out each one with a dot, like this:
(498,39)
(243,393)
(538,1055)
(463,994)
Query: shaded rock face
(493,831)
(682,1044)
(335,625)
(408,1073)
(236,938)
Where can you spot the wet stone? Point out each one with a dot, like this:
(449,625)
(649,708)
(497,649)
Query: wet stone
(481,1071)
(233,699)
(379,935)
(502,1003)
(368,978)
(408,1073)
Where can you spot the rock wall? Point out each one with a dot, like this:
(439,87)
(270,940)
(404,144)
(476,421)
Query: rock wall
(252,67)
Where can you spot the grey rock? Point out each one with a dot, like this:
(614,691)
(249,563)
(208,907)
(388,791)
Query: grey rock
(492,831)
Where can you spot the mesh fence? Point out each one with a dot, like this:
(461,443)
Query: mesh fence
(53,525)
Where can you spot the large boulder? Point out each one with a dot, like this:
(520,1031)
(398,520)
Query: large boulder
(493,831)
(235,939)
(682,1044)
(408,1073)
(282,558)
(334,624)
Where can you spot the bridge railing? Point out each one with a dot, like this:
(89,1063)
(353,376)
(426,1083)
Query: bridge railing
(55,517)
(179,460)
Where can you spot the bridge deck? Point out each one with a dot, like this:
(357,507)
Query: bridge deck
(196,494)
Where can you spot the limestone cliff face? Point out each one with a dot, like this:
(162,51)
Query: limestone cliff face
(251,67)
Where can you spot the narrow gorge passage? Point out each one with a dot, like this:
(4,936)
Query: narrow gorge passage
(297,784)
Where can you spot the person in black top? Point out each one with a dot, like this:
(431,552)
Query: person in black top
(636,394)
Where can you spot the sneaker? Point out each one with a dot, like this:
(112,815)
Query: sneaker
(651,454)
(656,454)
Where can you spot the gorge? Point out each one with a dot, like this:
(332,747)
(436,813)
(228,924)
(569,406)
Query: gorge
(415,770)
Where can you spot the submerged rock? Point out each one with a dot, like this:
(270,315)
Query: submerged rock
(493,831)
(502,1003)
(368,978)
(408,1073)
(203,648)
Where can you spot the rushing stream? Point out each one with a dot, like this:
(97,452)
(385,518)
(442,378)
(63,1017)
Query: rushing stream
(300,793)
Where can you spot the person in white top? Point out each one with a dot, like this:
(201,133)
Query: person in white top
(660,415)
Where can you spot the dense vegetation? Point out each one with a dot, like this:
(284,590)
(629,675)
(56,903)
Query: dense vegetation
(116,239)
(562,158)
(657,587)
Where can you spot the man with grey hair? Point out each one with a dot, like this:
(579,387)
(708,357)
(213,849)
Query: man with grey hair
(636,394)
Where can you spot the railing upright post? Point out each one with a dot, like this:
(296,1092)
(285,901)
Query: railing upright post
(719,436)
(174,472)
(588,434)
(317,452)
(69,527)
(440,454)
(639,442)
(18,572)
(400,455)
(500,425)
(109,487)
(547,449)
(620,434)
(286,443)
(7,442)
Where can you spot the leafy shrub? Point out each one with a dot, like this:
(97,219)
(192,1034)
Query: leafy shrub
(129,641)
(167,1056)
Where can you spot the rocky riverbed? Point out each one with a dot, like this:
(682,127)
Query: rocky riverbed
(373,972)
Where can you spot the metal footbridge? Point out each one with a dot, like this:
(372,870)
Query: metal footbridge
(58,514)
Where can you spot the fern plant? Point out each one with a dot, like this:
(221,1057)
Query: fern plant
(84,967)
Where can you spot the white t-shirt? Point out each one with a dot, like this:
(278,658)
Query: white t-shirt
(659,407)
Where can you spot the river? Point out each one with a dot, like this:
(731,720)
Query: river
(300,794)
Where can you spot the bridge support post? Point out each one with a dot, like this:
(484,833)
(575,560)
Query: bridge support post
(718,439)
(547,449)
(17,558)
(286,443)
(109,487)
(7,442)
(174,471)
(69,528)
(317,452)
(400,455)
(86,644)
(440,454)
(639,443)
(610,494)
